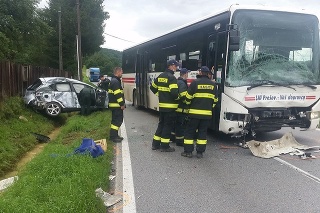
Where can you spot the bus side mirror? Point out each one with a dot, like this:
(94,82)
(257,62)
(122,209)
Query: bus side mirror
(234,40)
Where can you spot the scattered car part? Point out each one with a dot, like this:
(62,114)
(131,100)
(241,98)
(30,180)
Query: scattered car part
(286,144)
(41,138)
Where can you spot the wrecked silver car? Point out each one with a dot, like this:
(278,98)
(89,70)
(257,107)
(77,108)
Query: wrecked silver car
(56,95)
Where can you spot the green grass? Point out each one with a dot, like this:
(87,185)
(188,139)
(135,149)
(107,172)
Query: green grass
(15,133)
(57,181)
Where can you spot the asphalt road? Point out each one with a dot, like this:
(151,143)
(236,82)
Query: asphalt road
(228,178)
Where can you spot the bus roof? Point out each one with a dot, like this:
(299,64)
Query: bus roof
(231,9)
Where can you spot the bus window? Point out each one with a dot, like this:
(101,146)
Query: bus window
(171,57)
(302,55)
(183,56)
(153,67)
(194,55)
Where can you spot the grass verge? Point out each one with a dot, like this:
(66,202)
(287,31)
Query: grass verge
(58,181)
(17,123)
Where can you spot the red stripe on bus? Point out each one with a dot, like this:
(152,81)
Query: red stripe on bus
(249,98)
(310,97)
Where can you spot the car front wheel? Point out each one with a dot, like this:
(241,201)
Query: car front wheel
(53,109)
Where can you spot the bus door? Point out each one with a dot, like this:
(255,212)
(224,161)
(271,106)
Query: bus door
(216,58)
(142,80)
(138,91)
(145,84)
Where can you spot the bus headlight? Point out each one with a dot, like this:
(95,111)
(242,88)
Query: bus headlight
(313,115)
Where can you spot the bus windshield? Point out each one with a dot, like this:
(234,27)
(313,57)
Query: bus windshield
(277,47)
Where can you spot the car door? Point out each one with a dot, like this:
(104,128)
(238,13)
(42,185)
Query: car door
(78,87)
(101,98)
(64,95)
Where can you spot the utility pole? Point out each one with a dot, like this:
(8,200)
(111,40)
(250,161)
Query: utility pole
(60,43)
(79,42)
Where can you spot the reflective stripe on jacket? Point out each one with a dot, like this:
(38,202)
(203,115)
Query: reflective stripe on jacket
(166,88)
(115,92)
(201,98)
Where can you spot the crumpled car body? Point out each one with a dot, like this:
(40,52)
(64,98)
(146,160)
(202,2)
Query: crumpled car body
(58,94)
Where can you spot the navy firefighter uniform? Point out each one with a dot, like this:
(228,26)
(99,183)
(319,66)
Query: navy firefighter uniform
(182,110)
(116,101)
(166,88)
(201,97)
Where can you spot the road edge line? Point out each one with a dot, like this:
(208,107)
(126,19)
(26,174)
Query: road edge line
(128,187)
(307,174)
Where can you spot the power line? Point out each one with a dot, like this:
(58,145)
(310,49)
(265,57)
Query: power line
(119,38)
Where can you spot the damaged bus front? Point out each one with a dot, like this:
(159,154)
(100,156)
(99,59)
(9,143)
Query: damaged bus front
(272,81)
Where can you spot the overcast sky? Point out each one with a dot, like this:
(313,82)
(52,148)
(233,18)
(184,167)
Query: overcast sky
(139,20)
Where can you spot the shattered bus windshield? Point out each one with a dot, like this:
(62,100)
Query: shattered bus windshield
(276,46)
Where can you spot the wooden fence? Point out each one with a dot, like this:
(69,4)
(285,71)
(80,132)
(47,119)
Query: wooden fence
(15,78)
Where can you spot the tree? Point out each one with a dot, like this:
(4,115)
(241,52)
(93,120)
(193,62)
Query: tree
(92,28)
(105,59)
(22,30)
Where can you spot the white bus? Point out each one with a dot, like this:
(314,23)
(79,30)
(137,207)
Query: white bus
(266,60)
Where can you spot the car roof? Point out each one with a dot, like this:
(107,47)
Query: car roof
(61,80)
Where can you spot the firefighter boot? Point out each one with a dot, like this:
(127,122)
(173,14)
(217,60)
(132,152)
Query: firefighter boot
(166,148)
(121,138)
(187,154)
(173,137)
(199,155)
(155,145)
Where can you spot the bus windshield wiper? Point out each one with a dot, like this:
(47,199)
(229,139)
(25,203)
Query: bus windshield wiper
(310,86)
(268,82)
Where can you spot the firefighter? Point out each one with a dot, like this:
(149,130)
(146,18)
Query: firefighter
(201,97)
(86,100)
(104,83)
(116,104)
(182,108)
(166,88)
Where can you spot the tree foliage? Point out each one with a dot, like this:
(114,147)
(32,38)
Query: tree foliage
(92,27)
(21,30)
(31,35)
(105,59)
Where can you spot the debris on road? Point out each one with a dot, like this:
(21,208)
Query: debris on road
(286,144)
(7,182)
(111,177)
(108,199)
(228,147)
(307,155)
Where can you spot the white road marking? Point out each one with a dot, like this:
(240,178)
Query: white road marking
(128,187)
(307,174)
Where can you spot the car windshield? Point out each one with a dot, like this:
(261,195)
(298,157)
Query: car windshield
(276,46)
